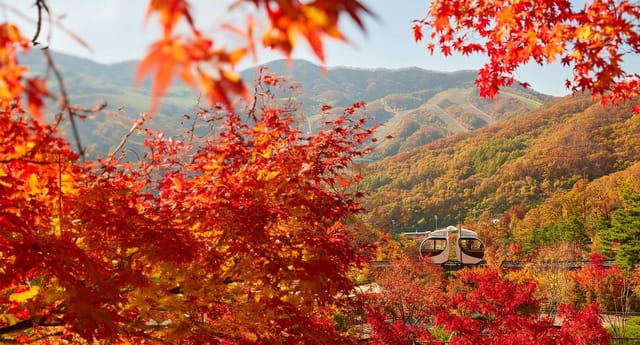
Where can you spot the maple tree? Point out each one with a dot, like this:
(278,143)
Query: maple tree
(610,287)
(411,292)
(236,235)
(197,59)
(487,309)
(593,39)
(552,275)
(477,306)
(195,242)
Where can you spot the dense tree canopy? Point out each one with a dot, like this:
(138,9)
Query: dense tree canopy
(196,242)
(490,310)
(233,234)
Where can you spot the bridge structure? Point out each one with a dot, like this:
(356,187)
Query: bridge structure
(453,265)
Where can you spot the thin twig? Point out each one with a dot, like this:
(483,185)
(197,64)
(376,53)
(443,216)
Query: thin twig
(40,4)
(65,107)
(24,160)
(26,324)
(123,141)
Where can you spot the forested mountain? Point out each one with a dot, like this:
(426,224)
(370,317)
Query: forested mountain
(566,167)
(412,105)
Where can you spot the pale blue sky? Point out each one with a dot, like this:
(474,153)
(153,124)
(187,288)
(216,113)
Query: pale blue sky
(115,30)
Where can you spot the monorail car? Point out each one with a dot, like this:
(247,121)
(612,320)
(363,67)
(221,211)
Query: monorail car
(437,246)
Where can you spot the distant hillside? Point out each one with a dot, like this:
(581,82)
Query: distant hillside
(89,83)
(522,163)
(414,106)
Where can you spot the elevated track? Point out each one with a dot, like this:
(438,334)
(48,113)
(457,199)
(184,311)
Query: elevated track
(452,265)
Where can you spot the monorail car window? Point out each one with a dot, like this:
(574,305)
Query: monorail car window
(435,244)
(432,247)
(471,244)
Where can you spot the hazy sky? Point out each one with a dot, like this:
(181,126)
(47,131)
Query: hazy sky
(116,31)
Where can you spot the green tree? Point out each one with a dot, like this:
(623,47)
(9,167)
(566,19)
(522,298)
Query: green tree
(623,237)
(567,230)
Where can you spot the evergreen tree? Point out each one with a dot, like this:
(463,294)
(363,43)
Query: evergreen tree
(623,237)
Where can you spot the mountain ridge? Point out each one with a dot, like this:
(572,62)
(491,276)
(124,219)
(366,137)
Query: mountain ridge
(412,105)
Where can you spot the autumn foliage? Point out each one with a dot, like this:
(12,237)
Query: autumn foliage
(235,234)
(15,82)
(593,39)
(474,306)
(487,309)
(200,62)
(208,239)
(239,231)
(411,292)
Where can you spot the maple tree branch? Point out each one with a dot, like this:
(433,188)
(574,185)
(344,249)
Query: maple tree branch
(65,107)
(26,324)
(124,140)
(30,341)
(30,161)
(252,109)
(40,4)
(19,326)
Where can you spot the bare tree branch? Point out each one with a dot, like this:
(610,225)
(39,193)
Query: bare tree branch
(124,139)
(41,5)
